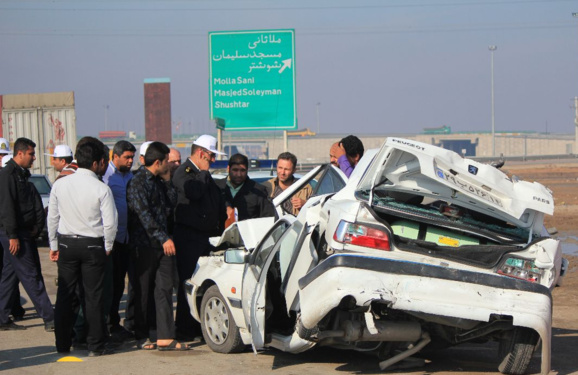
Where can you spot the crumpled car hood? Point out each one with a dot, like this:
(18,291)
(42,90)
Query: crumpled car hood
(411,167)
(245,233)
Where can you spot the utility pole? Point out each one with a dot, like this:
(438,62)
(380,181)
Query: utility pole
(575,15)
(317,107)
(106,117)
(492,49)
(576,123)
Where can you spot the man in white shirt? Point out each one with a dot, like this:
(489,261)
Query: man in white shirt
(81,233)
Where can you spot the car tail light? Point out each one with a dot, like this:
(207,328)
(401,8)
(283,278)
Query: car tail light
(520,269)
(361,235)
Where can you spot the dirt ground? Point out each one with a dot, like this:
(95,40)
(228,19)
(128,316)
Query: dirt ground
(32,351)
(562,179)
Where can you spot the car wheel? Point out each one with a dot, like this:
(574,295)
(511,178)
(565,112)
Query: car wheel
(516,350)
(219,329)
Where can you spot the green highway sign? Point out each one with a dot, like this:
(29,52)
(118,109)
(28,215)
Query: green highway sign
(252,79)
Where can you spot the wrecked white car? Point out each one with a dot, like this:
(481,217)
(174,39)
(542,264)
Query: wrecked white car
(420,248)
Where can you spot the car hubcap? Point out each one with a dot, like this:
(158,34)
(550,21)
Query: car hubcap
(216,320)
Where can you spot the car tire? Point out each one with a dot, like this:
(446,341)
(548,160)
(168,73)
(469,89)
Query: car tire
(217,324)
(516,350)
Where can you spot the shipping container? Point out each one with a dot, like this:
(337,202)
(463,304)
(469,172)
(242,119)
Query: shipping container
(47,119)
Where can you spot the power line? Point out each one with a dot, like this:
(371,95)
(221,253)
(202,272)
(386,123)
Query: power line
(301,31)
(79,8)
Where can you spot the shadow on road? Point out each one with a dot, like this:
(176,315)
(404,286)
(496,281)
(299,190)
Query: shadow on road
(564,344)
(26,357)
(466,358)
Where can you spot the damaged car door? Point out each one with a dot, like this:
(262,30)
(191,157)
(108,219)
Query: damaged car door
(255,280)
(273,261)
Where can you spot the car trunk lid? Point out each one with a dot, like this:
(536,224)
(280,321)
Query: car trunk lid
(405,169)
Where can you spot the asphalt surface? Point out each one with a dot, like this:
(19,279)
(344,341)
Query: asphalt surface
(32,352)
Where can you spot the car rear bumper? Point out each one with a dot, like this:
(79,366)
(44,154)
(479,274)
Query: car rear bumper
(417,287)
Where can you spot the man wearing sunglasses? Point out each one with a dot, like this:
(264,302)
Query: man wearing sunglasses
(200,214)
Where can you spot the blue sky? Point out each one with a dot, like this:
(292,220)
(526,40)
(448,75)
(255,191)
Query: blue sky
(374,66)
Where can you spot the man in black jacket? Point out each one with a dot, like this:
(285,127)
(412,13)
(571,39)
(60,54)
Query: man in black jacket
(241,193)
(17,309)
(200,214)
(22,220)
(151,199)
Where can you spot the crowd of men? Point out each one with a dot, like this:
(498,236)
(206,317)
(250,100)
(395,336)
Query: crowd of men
(108,221)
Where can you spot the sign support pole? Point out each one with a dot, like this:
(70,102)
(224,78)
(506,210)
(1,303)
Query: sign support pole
(285,141)
(220,142)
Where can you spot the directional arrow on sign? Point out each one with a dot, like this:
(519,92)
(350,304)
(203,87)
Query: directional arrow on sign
(286,64)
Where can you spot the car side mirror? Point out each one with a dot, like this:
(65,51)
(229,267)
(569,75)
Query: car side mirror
(236,256)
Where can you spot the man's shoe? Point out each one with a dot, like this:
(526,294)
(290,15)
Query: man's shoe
(17,318)
(98,353)
(10,326)
(79,345)
(182,336)
(120,334)
(18,313)
(49,326)
(129,325)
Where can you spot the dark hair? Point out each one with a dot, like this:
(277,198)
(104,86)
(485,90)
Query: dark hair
(106,153)
(156,151)
(352,146)
(239,159)
(195,147)
(84,140)
(67,159)
(89,151)
(121,147)
(22,144)
(288,156)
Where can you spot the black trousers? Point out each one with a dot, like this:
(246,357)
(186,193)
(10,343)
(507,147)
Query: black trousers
(190,246)
(80,259)
(122,265)
(17,310)
(24,266)
(153,277)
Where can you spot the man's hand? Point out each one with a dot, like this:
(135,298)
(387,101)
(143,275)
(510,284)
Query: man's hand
(166,176)
(53,255)
(230,212)
(337,150)
(204,162)
(14,246)
(297,202)
(169,248)
(230,216)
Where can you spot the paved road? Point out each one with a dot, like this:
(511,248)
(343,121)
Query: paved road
(33,352)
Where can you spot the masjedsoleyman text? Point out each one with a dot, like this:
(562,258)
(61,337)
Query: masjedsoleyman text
(240,92)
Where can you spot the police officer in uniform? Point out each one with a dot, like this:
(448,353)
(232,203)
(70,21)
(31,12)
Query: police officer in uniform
(200,214)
